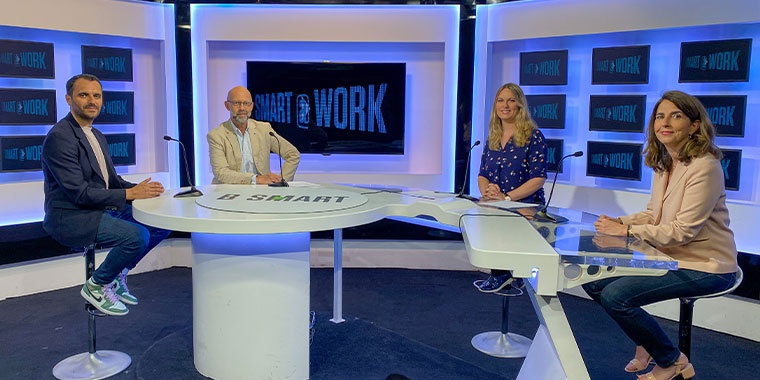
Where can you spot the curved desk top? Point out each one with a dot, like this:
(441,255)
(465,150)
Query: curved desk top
(500,235)
(185,214)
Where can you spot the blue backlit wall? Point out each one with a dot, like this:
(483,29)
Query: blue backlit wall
(503,31)
(424,37)
(144,29)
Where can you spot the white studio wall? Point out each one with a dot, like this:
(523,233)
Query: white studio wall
(145,31)
(505,31)
(425,38)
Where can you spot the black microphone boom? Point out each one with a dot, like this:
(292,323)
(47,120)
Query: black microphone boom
(461,193)
(282,182)
(192,192)
(542,214)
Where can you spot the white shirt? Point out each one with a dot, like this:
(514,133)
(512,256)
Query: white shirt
(98,152)
(244,139)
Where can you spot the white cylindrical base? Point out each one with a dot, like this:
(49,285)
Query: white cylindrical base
(251,306)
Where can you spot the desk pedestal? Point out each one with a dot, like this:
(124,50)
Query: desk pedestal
(251,306)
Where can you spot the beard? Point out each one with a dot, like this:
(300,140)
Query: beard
(240,119)
(86,114)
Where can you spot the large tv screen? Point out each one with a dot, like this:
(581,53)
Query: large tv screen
(332,108)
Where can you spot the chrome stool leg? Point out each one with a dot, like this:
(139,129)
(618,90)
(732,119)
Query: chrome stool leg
(94,364)
(502,344)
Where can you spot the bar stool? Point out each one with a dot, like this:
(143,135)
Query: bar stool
(94,364)
(687,313)
(502,344)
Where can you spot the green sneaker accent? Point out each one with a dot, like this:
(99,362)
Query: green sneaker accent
(121,289)
(103,298)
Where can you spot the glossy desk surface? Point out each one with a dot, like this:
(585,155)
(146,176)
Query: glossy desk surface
(499,235)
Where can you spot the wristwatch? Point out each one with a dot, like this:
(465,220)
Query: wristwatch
(507,198)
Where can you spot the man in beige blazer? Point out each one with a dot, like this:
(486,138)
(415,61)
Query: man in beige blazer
(240,147)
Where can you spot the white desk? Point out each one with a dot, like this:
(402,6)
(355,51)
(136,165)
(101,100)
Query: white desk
(251,269)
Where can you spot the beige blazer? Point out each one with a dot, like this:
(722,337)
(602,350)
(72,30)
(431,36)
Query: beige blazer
(227,158)
(687,218)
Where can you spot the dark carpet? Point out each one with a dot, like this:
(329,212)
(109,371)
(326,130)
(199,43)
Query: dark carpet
(417,323)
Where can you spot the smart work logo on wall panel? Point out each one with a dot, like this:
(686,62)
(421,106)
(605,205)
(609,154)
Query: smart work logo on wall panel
(554,152)
(715,61)
(620,65)
(121,147)
(617,113)
(107,63)
(21,153)
(118,108)
(548,111)
(24,106)
(727,113)
(613,160)
(731,164)
(543,68)
(27,59)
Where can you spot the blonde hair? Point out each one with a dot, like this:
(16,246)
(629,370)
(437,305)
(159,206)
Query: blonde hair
(524,124)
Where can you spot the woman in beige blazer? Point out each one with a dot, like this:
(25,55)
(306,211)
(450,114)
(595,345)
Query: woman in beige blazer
(687,219)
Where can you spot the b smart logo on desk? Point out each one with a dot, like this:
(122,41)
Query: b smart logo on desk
(281,200)
(285,198)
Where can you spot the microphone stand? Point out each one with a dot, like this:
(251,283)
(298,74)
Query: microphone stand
(192,192)
(461,193)
(542,214)
(282,182)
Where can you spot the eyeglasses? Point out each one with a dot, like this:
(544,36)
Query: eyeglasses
(239,103)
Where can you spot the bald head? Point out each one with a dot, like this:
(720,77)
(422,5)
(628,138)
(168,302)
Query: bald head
(240,105)
(238,93)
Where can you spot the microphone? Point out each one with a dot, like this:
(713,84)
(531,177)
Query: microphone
(282,182)
(461,193)
(193,192)
(542,212)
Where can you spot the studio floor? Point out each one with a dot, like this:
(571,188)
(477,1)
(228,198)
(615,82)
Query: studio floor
(417,323)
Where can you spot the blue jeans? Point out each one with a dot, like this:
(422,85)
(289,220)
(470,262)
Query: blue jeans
(129,240)
(622,298)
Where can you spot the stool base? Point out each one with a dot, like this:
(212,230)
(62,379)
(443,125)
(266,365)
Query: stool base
(87,366)
(508,345)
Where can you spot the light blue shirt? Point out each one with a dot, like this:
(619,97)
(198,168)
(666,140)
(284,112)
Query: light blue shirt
(244,139)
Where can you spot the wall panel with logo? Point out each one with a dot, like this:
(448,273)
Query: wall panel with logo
(130,45)
(619,57)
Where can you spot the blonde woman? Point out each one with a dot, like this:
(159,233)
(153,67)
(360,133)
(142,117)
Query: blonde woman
(513,165)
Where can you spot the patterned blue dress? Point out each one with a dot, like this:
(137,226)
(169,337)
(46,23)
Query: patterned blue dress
(511,166)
